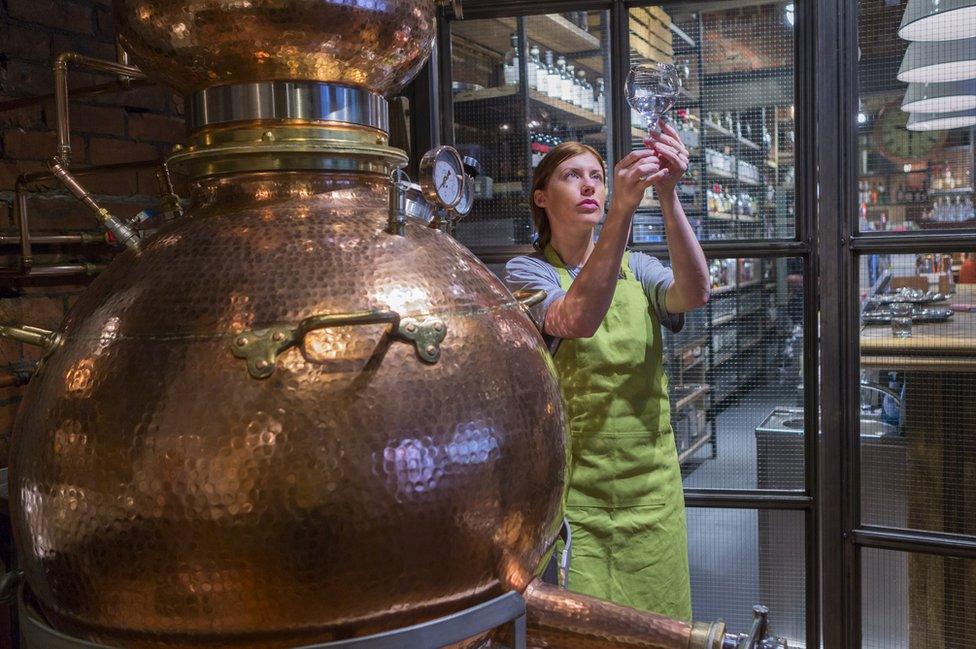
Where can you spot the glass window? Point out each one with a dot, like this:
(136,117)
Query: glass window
(915,118)
(509,131)
(918,378)
(917,600)
(743,557)
(734,114)
(736,380)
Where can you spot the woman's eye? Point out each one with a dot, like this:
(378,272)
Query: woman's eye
(572,174)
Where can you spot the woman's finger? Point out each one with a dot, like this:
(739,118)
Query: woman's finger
(666,139)
(633,157)
(669,153)
(655,178)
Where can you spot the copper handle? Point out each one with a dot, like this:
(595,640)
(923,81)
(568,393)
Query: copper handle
(260,348)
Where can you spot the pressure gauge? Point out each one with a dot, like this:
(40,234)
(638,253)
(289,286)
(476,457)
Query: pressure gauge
(442,176)
(467,197)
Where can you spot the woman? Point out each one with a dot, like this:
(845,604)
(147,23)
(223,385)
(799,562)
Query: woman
(602,316)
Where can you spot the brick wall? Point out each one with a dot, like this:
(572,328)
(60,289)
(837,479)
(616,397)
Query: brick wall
(125,127)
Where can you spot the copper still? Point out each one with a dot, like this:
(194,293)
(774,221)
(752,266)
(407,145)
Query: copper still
(293,415)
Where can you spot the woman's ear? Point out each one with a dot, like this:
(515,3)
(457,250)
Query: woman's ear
(539,198)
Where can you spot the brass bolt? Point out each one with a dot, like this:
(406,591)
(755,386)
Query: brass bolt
(261,364)
(431,350)
(268,136)
(242,341)
(438,326)
(411,327)
(278,336)
(177,147)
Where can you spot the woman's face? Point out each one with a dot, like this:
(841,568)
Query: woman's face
(575,194)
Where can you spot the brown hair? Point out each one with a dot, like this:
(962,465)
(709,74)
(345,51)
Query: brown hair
(540,178)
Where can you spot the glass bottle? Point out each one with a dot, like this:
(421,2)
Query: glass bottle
(511,68)
(569,79)
(586,91)
(601,102)
(552,76)
(535,63)
(561,71)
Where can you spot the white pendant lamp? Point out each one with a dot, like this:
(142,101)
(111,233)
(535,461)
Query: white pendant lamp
(940,97)
(940,121)
(939,62)
(938,20)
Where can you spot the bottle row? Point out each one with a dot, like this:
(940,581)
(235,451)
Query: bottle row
(873,192)
(555,78)
(728,164)
(956,210)
(722,201)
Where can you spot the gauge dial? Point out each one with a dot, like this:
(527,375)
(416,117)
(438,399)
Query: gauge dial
(442,176)
(467,197)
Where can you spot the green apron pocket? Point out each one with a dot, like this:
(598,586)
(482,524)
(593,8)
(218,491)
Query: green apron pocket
(622,469)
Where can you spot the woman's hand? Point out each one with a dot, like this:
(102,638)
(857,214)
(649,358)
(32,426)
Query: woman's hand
(672,157)
(637,171)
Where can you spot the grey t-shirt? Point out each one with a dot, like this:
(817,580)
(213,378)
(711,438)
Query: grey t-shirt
(534,272)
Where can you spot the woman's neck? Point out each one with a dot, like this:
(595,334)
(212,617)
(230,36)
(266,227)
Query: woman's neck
(573,248)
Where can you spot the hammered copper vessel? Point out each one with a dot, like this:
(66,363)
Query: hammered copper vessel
(286,418)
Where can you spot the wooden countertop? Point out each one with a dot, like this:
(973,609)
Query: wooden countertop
(948,346)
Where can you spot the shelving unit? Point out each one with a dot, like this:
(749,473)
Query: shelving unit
(493,121)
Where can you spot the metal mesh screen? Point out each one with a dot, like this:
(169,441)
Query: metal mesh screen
(740,558)
(735,372)
(734,114)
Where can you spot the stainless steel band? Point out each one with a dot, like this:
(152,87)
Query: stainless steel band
(280,100)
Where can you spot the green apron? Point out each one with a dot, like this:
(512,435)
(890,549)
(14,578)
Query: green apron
(625,502)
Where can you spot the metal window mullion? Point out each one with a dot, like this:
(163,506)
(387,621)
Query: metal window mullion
(902,540)
(827,136)
(747,499)
(906,242)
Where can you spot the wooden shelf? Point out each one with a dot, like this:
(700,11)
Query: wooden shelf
(951,192)
(721,130)
(500,99)
(715,172)
(720,216)
(725,319)
(695,395)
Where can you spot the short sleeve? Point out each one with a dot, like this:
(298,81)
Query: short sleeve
(656,278)
(530,273)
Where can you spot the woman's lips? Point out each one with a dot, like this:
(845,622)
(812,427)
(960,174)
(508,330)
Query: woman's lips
(588,203)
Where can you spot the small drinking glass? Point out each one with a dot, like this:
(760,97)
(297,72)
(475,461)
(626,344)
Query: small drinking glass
(901,320)
(652,89)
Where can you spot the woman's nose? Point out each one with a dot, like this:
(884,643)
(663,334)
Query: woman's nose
(587,188)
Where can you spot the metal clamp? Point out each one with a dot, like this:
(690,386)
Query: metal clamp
(260,347)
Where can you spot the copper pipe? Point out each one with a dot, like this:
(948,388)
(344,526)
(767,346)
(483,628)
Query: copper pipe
(67,270)
(61,91)
(560,619)
(81,239)
(40,177)
(26,258)
(57,270)
(84,91)
(122,232)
